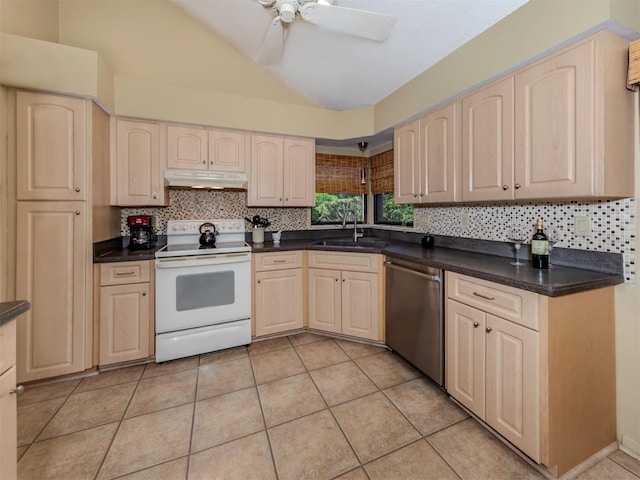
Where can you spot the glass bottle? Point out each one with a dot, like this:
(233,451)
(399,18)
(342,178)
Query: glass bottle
(540,247)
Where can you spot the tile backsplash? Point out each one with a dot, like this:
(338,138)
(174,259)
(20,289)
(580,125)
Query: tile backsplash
(612,221)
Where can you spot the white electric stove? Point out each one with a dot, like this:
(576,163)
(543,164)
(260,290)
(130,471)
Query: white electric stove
(203,294)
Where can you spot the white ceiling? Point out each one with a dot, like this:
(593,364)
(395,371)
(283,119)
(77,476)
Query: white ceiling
(341,72)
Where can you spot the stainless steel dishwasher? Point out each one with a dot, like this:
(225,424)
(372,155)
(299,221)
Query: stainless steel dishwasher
(415,315)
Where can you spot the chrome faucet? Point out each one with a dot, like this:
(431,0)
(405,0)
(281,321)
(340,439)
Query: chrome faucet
(356,235)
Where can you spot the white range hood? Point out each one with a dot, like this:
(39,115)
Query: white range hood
(205,180)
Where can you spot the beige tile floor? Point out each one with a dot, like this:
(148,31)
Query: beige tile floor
(299,407)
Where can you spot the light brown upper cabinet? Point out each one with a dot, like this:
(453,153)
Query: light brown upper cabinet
(51,147)
(425,155)
(282,172)
(574,123)
(559,128)
(487,143)
(138,165)
(193,148)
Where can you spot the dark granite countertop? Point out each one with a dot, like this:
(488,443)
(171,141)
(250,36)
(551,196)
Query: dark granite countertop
(487,260)
(11,310)
(115,250)
(558,280)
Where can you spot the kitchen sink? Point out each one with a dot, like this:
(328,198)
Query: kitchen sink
(363,242)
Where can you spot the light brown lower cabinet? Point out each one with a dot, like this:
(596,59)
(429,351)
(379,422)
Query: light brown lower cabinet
(345,294)
(538,370)
(8,402)
(278,293)
(126,311)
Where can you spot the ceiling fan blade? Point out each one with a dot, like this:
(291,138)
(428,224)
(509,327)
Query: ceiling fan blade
(273,44)
(360,23)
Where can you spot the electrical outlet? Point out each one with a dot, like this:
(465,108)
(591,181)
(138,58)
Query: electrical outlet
(284,219)
(582,226)
(464,220)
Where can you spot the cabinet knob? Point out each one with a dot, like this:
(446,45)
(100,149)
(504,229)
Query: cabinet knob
(505,187)
(259,281)
(211,162)
(421,194)
(489,329)
(144,294)
(154,196)
(18,390)
(280,199)
(78,189)
(204,161)
(77,212)
(476,324)
(415,194)
(336,279)
(517,185)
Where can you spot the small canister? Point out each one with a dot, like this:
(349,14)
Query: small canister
(258,235)
(428,241)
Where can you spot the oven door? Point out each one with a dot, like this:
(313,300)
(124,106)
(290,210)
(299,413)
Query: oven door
(202,290)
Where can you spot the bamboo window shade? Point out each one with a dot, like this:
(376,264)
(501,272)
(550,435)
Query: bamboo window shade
(382,172)
(633,76)
(339,174)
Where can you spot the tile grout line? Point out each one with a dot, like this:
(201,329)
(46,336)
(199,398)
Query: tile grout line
(264,419)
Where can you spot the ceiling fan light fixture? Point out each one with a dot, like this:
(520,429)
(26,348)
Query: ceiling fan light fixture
(287,10)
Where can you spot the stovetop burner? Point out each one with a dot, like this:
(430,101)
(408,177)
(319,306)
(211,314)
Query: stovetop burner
(183,236)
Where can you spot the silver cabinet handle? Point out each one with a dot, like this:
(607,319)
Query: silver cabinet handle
(77,212)
(476,324)
(489,329)
(517,185)
(18,390)
(505,187)
(476,294)
(78,189)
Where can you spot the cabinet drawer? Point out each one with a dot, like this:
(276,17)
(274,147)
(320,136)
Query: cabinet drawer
(7,346)
(277,260)
(509,303)
(125,272)
(355,262)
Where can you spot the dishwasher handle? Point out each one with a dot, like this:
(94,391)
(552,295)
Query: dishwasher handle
(433,278)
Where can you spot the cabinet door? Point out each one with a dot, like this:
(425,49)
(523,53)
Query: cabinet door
(360,313)
(487,143)
(555,126)
(438,155)
(465,356)
(186,148)
(266,171)
(512,383)
(406,163)
(138,165)
(124,322)
(279,301)
(8,425)
(51,147)
(299,173)
(51,336)
(325,300)
(227,151)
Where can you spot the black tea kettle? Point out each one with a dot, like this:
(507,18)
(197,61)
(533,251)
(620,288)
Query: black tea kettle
(208,234)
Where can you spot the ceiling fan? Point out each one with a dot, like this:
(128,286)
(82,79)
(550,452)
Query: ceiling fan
(359,23)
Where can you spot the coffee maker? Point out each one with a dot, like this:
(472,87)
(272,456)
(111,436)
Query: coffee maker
(143,235)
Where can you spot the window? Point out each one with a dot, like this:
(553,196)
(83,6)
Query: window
(386,212)
(331,207)
(339,188)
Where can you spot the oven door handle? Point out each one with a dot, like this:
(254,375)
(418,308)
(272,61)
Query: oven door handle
(202,260)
